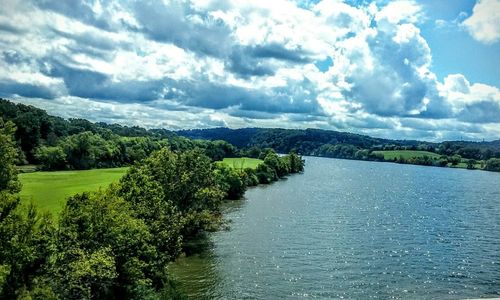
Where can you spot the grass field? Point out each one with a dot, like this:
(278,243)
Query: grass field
(406,154)
(49,190)
(241,162)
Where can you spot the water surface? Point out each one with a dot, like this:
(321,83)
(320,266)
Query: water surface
(354,229)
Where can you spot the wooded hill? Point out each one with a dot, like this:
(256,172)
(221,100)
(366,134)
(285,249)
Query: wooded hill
(81,144)
(311,141)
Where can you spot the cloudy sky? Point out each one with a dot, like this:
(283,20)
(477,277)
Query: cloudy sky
(425,69)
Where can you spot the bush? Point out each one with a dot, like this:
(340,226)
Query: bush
(251,178)
(232,181)
(493,164)
(265,173)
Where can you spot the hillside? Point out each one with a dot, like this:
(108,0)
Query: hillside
(39,133)
(313,141)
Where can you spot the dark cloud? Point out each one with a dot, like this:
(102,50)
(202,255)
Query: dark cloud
(92,44)
(11,28)
(11,88)
(299,97)
(95,53)
(219,96)
(13,57)
(481,112)
(80,10)
(173,24)
(251,114)
(295,97)
(254,60)
(202,34)
(280,52)
(95,85)
(245,66)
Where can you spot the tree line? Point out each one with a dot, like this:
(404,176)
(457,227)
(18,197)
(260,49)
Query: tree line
(56,143)
(88,150)
(117,242)
(327,143)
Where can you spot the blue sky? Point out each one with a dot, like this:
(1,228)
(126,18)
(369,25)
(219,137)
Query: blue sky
(397,69)
(454,50)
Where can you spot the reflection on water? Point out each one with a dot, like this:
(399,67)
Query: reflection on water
(356,229)
(197,273)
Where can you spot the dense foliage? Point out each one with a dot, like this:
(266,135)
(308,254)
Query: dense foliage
(25,236)
(116,243)
(283,140)
(493,164)
(57,144)
(8,154)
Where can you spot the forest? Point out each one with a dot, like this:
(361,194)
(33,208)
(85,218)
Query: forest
(116,242)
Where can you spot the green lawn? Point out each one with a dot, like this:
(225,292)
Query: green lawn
(241,162)
(406,154)
(49,190)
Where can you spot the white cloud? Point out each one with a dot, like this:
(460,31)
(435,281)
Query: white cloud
(475,103)
(484,23)
(460,92)
(238,63)
(401,11)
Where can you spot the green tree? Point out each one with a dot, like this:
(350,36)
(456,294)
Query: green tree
(88,150)
(471,164)
(296,163)
(273,161)
(443,161)
(8,156)
(265,173)
(25,236)
(51,158)
(217,150)
(251,178)
(149,203)
(26,245)
(493,164)
(232,181)
(185,180)
(103,250)
(455,159)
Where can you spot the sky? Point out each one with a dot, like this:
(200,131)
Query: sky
(401,69)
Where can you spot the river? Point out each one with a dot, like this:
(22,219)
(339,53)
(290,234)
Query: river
(356,230)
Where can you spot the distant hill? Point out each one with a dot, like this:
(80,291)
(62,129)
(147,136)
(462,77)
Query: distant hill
(309,141)
(284,138)
(35,128)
